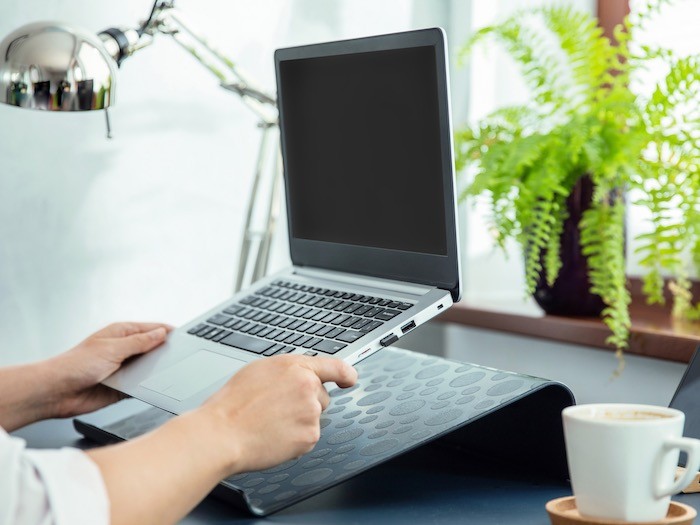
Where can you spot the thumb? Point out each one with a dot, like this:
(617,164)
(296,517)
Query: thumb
(137,344)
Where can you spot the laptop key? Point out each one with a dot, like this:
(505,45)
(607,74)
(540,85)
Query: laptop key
(304,339)
(278,319)
(315,328)
(340,319)
(350,321)
(215,331)
(259,316)
(329,347)
(296,324)
(283,335)
(332,304)
(196,329)
(362,309)
(335,333)
(273,350)
(323,302)
(238,325)
(292,338)
(310,314)
(329,317)
(265,291)
(273,334)
(287,321)
(320,315)
(404,306)
(249,327)
(265,332)
(342,306)
(311,353)
(233,309)
(323,331)
(350,336)
(311,342)
(244,342)
(314,301)
(374,300)
(220,336)
(257,329)
(205,330)
(393,304)
(306,326)
(373,311)
(218,319)
(354,306)
(360,324)
(371,326)
(296,310)
(387,315)
(384,302)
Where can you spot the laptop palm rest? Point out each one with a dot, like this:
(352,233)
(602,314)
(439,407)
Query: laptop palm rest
(192,375)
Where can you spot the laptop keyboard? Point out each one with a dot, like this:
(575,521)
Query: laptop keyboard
(284,316)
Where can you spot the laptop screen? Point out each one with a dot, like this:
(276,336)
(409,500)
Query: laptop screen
(363,155)
(367,149)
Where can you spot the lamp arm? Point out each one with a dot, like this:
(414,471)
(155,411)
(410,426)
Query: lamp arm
(165,19)
(169,21)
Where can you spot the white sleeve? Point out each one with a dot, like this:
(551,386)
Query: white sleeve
(49,487)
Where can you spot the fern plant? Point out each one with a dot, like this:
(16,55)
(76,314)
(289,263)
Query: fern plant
(584,119)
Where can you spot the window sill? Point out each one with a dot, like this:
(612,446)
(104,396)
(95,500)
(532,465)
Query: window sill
(654,332)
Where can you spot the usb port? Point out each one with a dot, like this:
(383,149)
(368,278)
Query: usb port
(408,326)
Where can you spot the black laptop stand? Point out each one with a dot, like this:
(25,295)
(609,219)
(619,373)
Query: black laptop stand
(402,400)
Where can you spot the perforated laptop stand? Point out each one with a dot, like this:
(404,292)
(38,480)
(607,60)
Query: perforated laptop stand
(402,400)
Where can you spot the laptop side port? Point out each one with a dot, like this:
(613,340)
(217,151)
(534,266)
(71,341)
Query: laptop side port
(408,326)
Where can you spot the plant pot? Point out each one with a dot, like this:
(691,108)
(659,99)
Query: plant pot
(570,294)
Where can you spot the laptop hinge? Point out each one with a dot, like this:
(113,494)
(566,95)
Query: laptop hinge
(361,280)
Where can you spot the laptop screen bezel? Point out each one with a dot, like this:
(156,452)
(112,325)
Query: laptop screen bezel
(441,271)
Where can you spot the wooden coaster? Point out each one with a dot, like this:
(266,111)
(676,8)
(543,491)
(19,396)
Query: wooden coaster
(563,511)
(694,485)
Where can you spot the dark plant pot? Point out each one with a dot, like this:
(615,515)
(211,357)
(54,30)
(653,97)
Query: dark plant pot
(570,294)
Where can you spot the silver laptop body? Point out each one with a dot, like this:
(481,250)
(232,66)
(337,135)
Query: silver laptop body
(367,150)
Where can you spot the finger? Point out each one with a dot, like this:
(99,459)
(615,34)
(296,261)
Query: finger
(323,398)
(139,343)
(130,328)
(328,369)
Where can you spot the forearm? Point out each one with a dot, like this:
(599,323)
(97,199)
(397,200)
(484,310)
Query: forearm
(25,395)
(161,476)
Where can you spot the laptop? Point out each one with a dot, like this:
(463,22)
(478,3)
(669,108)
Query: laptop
(687,396)
(367,152)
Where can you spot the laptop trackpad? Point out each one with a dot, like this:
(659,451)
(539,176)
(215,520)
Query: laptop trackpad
(192,375)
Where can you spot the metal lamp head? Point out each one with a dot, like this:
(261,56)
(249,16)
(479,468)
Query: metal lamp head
(55,67)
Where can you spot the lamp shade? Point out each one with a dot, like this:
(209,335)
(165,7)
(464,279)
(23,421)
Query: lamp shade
(55,67)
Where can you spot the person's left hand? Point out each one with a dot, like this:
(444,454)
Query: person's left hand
(78,372)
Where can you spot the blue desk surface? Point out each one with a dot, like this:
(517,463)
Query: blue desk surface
(426,486)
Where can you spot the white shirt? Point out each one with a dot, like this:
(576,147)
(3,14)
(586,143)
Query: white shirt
(49,487)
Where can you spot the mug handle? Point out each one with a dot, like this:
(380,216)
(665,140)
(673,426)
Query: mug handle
(691,447)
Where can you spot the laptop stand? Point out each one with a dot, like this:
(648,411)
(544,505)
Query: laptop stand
(402,400)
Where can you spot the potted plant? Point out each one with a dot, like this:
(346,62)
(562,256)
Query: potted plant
(557,170)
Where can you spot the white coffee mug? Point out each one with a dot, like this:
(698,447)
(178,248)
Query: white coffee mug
(623,458)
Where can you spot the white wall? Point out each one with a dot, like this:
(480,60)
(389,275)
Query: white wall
(145,226)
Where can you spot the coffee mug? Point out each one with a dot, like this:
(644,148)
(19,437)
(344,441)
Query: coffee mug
(623,458)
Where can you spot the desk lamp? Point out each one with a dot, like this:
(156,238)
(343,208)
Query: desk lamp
(52,66)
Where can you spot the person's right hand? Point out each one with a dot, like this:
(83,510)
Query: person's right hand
(271,409)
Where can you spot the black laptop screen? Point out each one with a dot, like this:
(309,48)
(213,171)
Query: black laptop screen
(363,154)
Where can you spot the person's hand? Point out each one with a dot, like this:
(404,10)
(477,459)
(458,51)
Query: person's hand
(267,413)
(270,410)
(77,373)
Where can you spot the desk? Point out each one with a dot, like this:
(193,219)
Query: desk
(423,487)
(426,486)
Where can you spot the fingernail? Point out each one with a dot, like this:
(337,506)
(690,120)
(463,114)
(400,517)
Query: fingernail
(157,334)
